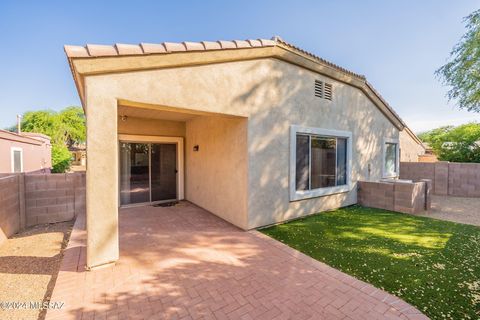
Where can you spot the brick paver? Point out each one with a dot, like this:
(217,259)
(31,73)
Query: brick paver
(184,263)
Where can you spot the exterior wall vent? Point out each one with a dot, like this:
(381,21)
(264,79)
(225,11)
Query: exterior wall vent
(323,90)
(327,91)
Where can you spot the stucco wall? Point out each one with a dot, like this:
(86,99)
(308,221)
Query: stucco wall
(288,98)
(36,156)
(273,95)
(153,127)
(409,148)
(216,174)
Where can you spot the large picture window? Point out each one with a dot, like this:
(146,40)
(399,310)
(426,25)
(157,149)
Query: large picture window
(321,162)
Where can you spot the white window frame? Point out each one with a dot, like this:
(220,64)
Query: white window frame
(397,160)
(12,150)
(306,194)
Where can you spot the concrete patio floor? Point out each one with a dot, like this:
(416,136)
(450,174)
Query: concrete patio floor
(184,263)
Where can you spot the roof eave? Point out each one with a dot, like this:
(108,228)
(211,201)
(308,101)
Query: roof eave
(108,59)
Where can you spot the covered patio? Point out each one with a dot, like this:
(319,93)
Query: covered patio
(182,262)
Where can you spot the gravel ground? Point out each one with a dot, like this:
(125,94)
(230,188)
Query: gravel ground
(457,209)
(29,263)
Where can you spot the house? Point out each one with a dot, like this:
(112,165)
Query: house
(412,148)
(79,157)
(256,132)
(25,152)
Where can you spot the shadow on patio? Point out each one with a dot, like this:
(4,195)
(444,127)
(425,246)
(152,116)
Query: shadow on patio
(182,261)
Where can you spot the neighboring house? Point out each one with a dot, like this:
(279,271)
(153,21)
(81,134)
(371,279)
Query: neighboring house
(255,131)
(411,147)
(79,157)
(429,155)
(25,152)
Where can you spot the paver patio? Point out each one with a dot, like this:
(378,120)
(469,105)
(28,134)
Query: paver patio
(183,262)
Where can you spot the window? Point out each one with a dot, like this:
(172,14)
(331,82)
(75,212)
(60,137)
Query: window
(390,158)
(17,160)
(320,162)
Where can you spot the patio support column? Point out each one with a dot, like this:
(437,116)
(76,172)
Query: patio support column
(102,181)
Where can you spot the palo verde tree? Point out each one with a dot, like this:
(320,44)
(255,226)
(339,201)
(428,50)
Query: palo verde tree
(462,71)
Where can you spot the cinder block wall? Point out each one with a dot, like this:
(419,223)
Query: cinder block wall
(376,195)
(455,179)
(401,197)
(30,199)
(9,207)
(54,197)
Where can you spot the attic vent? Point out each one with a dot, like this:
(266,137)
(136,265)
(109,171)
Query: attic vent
(323,90)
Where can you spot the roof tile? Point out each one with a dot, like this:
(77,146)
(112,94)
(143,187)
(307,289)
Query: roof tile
(174,46)
(267,43)
(254,43)
(227,44)
(97,50)
(75,51)
(127,49)
(242,44)
(210,45)
(193,46)
(153,48)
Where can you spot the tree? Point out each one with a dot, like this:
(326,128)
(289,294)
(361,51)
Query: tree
(462,72)
(65,128)
(455,144)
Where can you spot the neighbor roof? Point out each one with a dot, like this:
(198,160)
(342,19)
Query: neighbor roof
(301,57)
(22,137)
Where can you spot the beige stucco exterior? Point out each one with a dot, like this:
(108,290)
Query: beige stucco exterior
(239,113)
(217,174)
(410,146)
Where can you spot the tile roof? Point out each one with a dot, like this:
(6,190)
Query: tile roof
(94,50)
(120,49)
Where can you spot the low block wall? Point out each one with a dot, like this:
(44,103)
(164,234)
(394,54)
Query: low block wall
(30,199)
(455,179)
(394,196)
(53,198)
(9,207)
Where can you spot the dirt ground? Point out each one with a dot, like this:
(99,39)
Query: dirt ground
(29,263)
(457,209)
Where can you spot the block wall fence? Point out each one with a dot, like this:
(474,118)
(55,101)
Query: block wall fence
(403,197)
(30,199)
(448,178)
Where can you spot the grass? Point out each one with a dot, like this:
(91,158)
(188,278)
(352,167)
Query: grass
(432,264)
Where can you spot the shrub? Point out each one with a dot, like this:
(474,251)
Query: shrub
(61,158)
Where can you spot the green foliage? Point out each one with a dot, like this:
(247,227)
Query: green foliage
(455,144)
(431,264)
(462,72)
(65,128)
(61,158)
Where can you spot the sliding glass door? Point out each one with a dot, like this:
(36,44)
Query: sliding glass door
(148,172)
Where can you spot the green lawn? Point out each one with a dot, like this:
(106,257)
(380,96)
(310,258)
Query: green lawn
(432,264)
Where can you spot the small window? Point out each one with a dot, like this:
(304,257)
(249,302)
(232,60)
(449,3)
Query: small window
(321,160)
(391,159)
(17,160)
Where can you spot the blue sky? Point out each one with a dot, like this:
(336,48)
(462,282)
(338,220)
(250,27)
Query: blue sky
(397,44)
